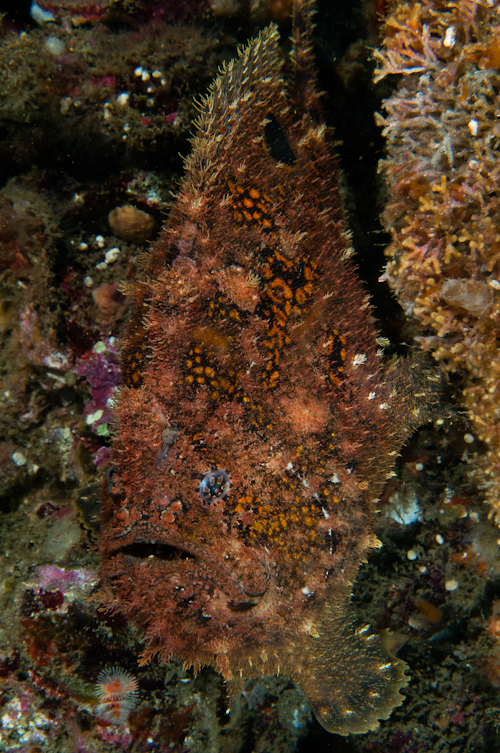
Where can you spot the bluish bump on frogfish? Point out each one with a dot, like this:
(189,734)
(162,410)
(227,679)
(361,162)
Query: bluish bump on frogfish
(214,485)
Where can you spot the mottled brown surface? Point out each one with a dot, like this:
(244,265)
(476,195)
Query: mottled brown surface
(258,425)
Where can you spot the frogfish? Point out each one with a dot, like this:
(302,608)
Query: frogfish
(258,421)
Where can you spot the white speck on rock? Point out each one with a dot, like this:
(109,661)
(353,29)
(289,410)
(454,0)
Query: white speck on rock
(450,37)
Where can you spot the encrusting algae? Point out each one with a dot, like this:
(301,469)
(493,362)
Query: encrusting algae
(442,127)
(258,425)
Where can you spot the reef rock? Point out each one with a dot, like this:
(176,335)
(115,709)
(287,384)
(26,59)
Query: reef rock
(257,425)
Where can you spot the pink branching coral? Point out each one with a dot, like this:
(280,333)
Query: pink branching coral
(443,135)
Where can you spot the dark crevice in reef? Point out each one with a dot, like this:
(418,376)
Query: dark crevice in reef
(350,101)
(17,13)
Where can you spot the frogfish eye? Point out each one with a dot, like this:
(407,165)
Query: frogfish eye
(214,485)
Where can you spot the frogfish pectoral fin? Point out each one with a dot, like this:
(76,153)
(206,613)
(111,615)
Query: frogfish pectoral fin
(350,678)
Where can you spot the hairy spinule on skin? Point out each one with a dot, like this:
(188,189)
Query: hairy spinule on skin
(251,359)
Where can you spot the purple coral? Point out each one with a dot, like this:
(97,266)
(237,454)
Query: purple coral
(101,369)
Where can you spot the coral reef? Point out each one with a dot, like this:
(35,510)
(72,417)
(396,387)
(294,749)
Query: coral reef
(110,96)
(79,12)
(442,171)
(64,283)
(262,11)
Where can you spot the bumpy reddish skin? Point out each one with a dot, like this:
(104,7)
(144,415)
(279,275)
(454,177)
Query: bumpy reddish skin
(252,351)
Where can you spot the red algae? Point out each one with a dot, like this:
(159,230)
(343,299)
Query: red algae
(258,425)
